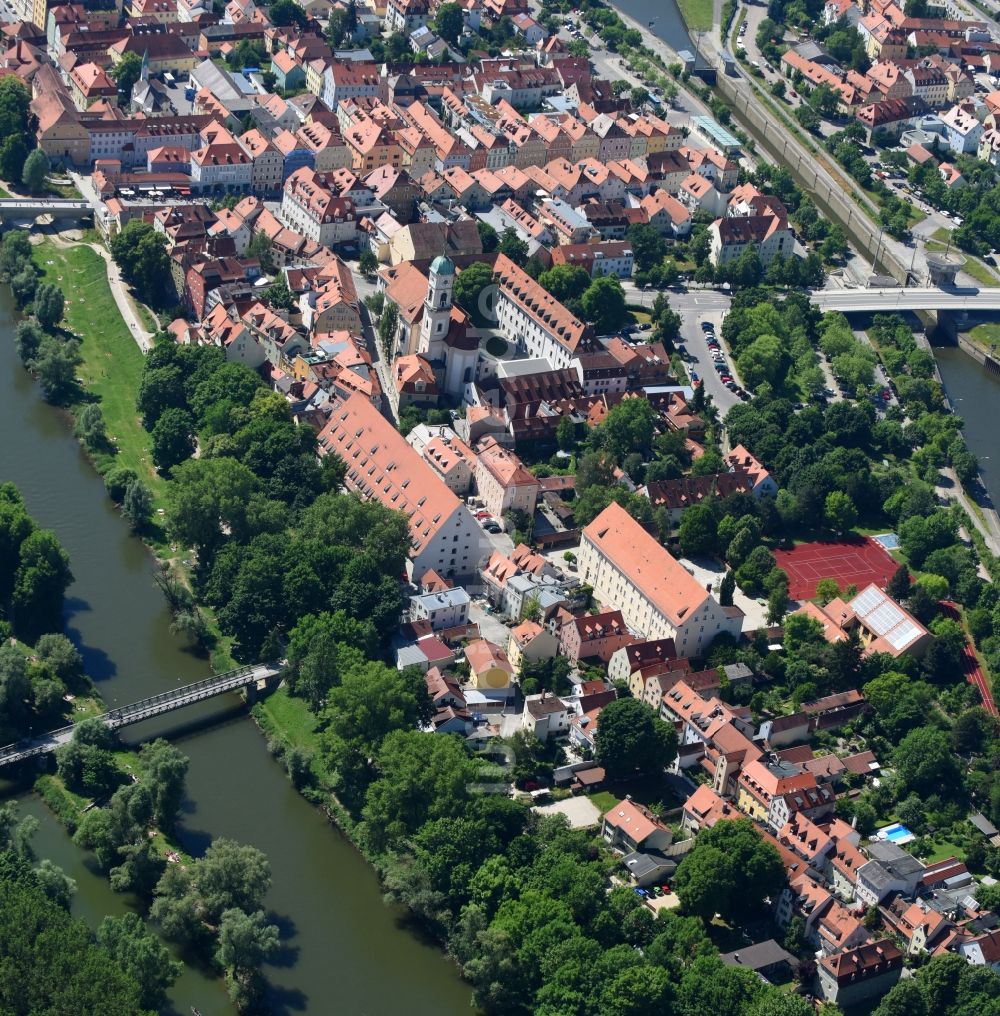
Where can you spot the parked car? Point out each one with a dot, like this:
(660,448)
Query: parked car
(707,326)
(492,527)
(483,514)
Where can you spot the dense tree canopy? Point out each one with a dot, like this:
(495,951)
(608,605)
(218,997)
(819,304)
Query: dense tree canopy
(730,871)
(631,738)
(51,961)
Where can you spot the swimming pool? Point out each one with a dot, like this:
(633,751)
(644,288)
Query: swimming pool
(896,833)
(888,540)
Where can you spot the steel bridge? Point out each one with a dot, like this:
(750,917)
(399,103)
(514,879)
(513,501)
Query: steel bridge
(147,708)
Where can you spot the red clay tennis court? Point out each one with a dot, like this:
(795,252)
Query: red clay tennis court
(851,562)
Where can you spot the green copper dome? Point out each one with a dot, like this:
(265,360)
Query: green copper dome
(443,265)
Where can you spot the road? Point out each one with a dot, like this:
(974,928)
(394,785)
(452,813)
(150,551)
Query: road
(891,301)
(694,308)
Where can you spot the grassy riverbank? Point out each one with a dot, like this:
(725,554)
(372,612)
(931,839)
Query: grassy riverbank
(111,373)
(986,335)
(697,14)
(112,362)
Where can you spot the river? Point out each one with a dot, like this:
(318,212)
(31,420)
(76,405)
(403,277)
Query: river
(975,396)
(668,24)
(343,949)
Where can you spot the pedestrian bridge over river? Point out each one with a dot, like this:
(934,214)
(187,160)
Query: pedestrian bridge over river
(251,678)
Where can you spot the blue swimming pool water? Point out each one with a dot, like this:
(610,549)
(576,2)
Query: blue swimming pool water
(895,833)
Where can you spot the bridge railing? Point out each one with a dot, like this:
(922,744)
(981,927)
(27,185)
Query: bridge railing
(135,712)
(196,692)
(238,675)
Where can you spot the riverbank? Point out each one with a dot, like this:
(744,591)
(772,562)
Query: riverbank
(112,361)
(336,930)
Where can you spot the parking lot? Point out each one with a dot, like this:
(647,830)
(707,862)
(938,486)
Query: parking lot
(701,358)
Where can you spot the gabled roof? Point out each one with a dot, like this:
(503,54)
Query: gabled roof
(661,578)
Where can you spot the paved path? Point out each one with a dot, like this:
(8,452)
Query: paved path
(119,290)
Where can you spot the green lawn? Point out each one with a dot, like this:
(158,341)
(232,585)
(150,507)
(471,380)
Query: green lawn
(292,717)
(647,790)
(112,362)
(697,14)
(986,334)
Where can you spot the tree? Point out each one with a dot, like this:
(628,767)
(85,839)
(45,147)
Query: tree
(53,963)
(141,955)
(470,286)
(513,247)
(231,875)
(763,360)
(320,648)
(60,658)
(777,604)
(925,763)
(565,282)
(336,27)
(368,263)
(13,155)
(278,295)
(141,254)
(628,427)
(173,440)
(698,533)
(260,248)
(246,942)
(287,12)
(422,778)
(727,588)
(35,172)
(27,339)
(448,22)
(91,429)
(488,236)
(974,730)
(118,480)
(55,364)
(827,590)
(604,304)
(899,585)
(40,583)
(164,770)
(137,504)
(126,73)
(49,305)
(632,738)
(204,496)
(566,433)
(839,513)
(730,871)
(387,327)
(371,703)
(24,284)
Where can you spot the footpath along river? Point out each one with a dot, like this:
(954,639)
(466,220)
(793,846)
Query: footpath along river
(344,950)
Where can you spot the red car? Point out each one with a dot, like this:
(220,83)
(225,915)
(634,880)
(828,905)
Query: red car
(483,515)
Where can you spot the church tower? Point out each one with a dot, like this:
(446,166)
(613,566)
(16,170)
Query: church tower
(437,308)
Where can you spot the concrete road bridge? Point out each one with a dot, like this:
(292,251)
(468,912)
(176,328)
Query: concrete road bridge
(252,678)
(914,298)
